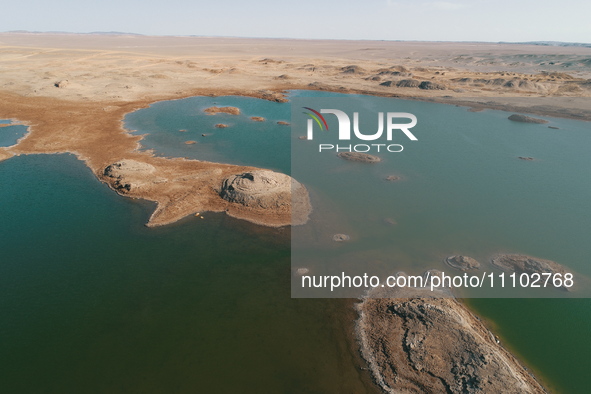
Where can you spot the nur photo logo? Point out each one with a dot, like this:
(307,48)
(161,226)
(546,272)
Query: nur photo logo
(390,122)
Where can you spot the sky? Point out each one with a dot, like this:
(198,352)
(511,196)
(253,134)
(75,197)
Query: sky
(428,20)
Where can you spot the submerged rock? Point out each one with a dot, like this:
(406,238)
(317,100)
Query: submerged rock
(393,178)
(526,119)
(462,263)
(221,125)
(257,118)
(390,221)
(360,157)
(521,263)
(341,237)
(526,158)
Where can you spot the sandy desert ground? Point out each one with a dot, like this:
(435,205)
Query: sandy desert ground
(73,90)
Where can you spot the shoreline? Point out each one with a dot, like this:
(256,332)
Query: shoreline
(131,148)
(401,329)
(86,118)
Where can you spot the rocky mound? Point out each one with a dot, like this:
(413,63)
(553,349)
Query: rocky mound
(360,157)
(526,119)
(340,237)
(353,69)
(435,345)
(395,73)
(393,178)
(226,110)
(388,83)
(462,263)
(264,189)
(408,83)
(128,173)
(428,85)
(521,263)
(521,84)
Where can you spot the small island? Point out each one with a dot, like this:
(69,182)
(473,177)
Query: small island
(526,119)
(219,110)
(359,157)
(462,263)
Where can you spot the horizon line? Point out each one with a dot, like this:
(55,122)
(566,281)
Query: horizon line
(118,33)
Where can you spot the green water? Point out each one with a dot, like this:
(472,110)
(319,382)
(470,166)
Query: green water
(550,335)
(93,301)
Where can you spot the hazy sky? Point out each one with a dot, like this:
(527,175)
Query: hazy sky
(453,20)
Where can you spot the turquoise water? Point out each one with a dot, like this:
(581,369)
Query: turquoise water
(463,191)
(9,135)
(99,303)
(243,142)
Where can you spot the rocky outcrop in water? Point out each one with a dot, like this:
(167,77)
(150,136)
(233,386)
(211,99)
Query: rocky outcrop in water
(341,237)
(225,110)
(268,190)
(393,178)
(526,119)
(521,263)
(435,345)
(462,263)
(360,157)
(257,118)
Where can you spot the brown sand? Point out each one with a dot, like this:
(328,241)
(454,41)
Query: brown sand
(74,90)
